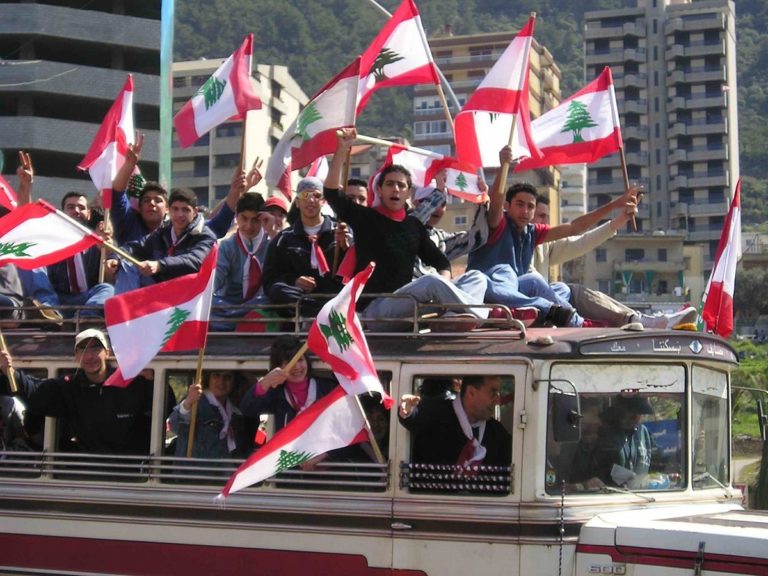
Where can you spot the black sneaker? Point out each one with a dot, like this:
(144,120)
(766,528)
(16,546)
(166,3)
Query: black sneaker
(559,316)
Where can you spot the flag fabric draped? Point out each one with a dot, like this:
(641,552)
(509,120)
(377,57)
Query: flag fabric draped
(483,126)
(8,198)
(583,128)
(227,94)
(166,317)
(108,149)
(337,338)
(334,421)
(461,179)
(417,164)
(37,235)
(313,133)
(398,56)
(319,168)
(717,310)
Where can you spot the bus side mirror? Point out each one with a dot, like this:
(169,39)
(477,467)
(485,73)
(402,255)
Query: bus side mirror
(566,418)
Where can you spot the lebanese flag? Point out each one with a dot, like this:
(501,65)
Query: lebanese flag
(583,128)
(228,94)
(170,316)
(483,126)
(313,133)
(37,234)
(109,147)
(8,198)
(461,180)
(398,56)
(334,421)
(718,297)
(337,338)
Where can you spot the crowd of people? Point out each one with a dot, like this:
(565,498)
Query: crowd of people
(272,253)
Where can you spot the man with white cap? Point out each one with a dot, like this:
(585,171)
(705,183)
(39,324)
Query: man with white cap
(297,263)
(102,419)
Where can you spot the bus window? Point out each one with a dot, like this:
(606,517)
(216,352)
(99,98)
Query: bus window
(710,428)
(353,467)
(460,433)
(631,429)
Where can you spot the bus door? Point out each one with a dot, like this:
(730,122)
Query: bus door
(453,512)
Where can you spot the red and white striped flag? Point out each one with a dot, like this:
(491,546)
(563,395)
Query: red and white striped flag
(398,56)
(37,235)
(319,168)
(717,311)
(484,124)
(337,338)
(334,421)
(313,133)
(166,317)
(108,149)
(583,128)
(8,198)
(227,94)
(417,164)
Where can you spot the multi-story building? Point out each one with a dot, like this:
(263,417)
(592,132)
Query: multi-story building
(465,61)
(62,63)
(674,67)
(208,165)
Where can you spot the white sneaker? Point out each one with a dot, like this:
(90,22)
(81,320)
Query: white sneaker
(685,316)
(669,321)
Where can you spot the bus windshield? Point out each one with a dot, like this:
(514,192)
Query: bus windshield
(630,433)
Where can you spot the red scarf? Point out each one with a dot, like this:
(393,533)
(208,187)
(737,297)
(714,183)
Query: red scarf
(396,215)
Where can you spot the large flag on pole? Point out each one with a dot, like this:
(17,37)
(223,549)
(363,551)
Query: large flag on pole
(313,133)
(228,94)
(484,124)
(717,310)
(8,198)
(109,147)
(332,422)
(398,56)
(37,234)
(167,317)
(337,338)
(583,128)
(461,179)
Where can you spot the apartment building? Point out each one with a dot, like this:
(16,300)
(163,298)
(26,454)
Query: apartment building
(62,64)
(674,66)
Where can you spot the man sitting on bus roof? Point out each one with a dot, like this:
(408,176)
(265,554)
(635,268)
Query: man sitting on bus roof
(506,257)
(458,430)
(103,419)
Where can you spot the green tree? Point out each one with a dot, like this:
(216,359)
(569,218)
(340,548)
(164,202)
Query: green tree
(308,116)
(578,119)
(385,57)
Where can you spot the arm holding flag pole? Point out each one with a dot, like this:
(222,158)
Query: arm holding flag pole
(11,375)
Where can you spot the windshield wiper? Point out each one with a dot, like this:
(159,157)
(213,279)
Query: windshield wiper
(630,492)
(707,476)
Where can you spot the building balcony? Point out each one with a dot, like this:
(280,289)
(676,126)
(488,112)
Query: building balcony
(634,54)
(674,50)
(658,266)
(678,181)
(636,132)
(90,27)
(614,186)
(706,180)
(705,153)
(704,235)
(639,106)
(714,21)
(706,101)
(469,61)
(609,161)
(627,29)
(638,158)
(708,209)
(663,300)
(676,103)
(603,58)
(703,49)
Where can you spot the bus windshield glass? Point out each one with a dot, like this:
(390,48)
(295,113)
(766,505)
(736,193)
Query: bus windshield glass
(623,428)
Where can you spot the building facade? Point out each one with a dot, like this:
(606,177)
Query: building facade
(208,165)
(62,64)
(674,67)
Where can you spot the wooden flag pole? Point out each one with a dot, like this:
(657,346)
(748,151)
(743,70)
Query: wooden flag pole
(11,376)
(346,170)
(371,437)
(193,412)
(388,144)
(107,228)
(626,182)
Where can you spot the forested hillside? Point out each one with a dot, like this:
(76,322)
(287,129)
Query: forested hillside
(316,38)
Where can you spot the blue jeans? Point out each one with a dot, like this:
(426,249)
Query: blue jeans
(35,284)
(94,296)
(129,278)
(468,288)
(223,320)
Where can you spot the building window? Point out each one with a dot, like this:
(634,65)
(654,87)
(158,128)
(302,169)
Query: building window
(601,255)
(460,220)
(604,286)
(227,160)
(634,255)
(662,254)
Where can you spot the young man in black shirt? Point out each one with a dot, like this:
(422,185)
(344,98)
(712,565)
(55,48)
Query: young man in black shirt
(387,235)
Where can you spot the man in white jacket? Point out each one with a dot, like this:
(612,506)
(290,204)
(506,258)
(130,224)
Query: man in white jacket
(589,303)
